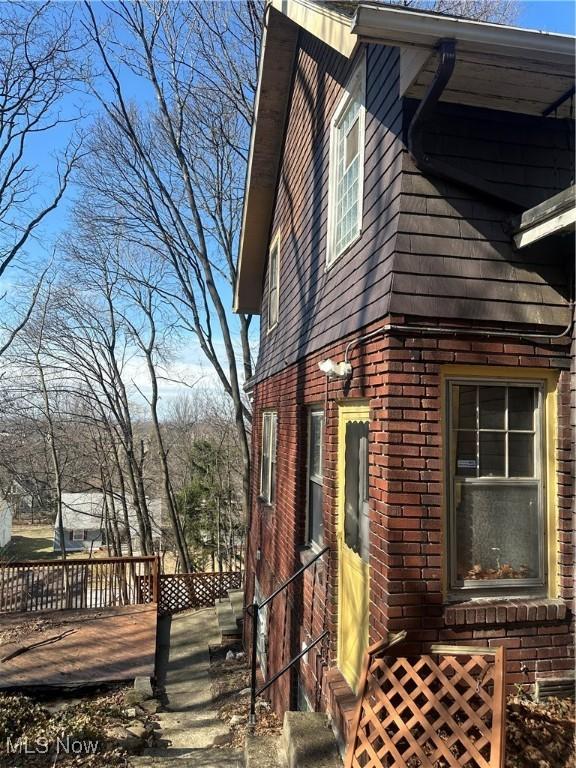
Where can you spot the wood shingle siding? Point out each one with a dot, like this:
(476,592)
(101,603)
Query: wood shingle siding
(455,257)
(316,305)
(429,248)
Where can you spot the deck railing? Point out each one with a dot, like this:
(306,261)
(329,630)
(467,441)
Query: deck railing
(77,584)
(181,591)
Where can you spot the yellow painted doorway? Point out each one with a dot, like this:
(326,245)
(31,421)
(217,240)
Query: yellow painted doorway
(353,540)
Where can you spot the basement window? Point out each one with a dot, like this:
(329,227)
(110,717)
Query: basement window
(268,457)
(346,180)
(496,491)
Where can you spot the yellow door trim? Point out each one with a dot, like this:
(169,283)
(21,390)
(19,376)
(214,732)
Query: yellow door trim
(349,412)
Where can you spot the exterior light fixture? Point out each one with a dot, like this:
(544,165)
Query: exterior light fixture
(334,370)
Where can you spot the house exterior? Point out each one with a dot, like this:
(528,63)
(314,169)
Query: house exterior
(84,521)
(5,522)
(408,243)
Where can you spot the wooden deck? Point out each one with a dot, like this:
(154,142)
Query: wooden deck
(107,645)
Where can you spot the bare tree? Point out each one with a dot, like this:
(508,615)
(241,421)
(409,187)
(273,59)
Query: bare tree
(37,74)
(171,178)
(497,11)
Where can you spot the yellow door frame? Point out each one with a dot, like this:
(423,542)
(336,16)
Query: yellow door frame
(347,623)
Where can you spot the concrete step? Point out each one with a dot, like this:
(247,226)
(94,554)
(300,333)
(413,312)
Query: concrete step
(192,758)
(226,620)
(236,597)
(306,741)
(264,751)
(309,741)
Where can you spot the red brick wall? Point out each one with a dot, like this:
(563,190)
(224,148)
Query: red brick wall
(399,374)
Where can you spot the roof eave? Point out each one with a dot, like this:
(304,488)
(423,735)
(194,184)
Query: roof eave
(395,26)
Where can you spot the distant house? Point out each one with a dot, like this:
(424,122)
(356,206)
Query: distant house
(5,522)
(82,518)
(84,522)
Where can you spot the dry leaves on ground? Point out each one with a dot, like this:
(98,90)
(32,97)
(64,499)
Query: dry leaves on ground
(540,735)
(35,732)
(18,632)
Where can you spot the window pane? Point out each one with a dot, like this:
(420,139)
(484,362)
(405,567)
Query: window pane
(352,143)
(497,532)
(316,525)
(521,404)
(465,407)
(273,432)
(316,438)
(273,307)
(492,457)
(273,287)
(466,454)
(492,402)
(356,487)
(520,454)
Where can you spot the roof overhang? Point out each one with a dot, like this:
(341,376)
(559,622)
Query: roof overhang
(555,216)
(497,67)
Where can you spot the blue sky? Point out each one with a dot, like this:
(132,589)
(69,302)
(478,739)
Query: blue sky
(548,15)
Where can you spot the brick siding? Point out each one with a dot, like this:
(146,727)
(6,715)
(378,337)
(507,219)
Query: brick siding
(400,375)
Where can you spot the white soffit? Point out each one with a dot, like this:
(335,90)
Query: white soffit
(554,216)
(497,67)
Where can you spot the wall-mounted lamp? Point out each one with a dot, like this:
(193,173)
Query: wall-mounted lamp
(334,370)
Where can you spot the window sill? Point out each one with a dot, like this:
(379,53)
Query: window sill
(504,611)
(308,551)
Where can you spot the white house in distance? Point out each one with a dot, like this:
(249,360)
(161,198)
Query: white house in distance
(5,522)
(83,516)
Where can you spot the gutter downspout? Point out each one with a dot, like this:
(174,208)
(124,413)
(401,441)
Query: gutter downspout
(423,115)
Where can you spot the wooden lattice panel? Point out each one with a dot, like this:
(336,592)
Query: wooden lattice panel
(442,710)
(181,591)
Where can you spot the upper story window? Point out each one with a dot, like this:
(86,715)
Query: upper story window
(268,457)
(274,282)
(316,477)
(346,184)
(496,456)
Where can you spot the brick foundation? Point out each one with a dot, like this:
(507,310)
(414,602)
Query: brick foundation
(400,375)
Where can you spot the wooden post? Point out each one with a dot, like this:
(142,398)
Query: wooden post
(156,579)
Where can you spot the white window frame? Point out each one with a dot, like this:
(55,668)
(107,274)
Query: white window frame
(503,587)
(269,421)
(76,537)
(355,86)
(314,412)
(276,277)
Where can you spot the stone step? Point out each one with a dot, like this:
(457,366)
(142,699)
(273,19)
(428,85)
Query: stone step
(264,751)
(309,741)
(192,758)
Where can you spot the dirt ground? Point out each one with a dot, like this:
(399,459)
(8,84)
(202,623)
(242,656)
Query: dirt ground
(230,689)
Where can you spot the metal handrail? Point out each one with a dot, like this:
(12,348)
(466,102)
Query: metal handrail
(253,611)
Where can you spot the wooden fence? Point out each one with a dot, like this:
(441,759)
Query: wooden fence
(77,584)
(446,708)
(181,591)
